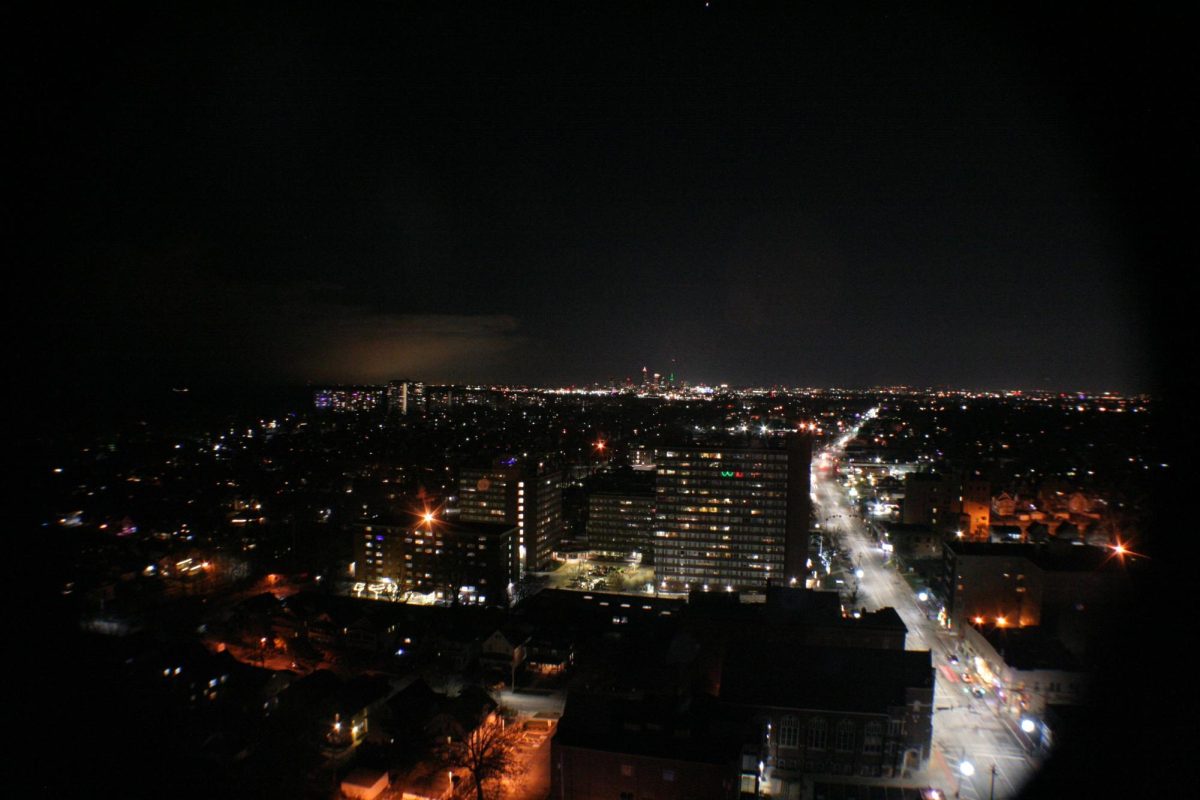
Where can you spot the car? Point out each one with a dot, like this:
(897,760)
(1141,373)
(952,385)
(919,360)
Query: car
(953,659)
(978,692)
(966,676)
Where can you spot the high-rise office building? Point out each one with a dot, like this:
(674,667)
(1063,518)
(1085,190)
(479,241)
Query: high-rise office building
(733,517)
(620,518)
(404,396)
(520,491)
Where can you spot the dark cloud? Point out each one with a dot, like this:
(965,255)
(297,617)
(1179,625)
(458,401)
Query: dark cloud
(171,320)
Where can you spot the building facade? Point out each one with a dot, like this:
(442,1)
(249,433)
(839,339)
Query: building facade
(732,517)
(829,711)
(349,399)
(470,562)
(620,515)
(1023,585)
(522,492)
(404,397)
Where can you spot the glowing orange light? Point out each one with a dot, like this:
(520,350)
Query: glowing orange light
(600,445)
(979,620)
(1001,621)
(427,517)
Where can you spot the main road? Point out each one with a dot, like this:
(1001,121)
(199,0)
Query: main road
(966,729)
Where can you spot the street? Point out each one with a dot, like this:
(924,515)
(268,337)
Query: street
(965,728)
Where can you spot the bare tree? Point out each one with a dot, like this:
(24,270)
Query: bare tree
(489,752)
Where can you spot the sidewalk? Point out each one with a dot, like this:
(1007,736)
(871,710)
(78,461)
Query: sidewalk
(939,774)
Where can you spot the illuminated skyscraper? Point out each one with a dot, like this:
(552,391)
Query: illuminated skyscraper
(733,517)
(404,396)
(523,492)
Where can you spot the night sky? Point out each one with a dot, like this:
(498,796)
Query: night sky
(351,192)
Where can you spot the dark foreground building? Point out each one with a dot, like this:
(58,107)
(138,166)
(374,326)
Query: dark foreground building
(843,711)
(610,748)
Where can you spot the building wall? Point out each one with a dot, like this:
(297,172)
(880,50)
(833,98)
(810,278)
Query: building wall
(543,531)
(527,494)
(379,553)
(448,557)
(621,522)
(588,774)
(730,517)
(488,494)
(1029,690)
(976,508)
(992,586)
(931,500)
(451,558)
(802,743)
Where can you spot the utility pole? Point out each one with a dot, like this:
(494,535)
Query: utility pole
(992,790)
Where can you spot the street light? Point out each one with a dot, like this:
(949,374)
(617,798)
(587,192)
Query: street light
(965,770)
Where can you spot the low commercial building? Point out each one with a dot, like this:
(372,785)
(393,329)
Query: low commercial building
(1022,585)
(1028,668)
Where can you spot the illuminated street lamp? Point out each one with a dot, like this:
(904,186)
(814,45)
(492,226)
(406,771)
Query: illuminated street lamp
(965,770)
